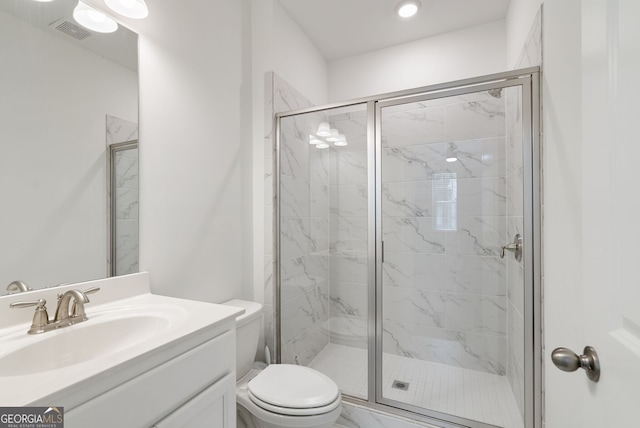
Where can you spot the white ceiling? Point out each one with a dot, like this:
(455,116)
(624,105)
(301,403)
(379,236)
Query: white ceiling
(342,28)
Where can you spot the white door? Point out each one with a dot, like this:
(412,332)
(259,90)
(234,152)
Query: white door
(592,210)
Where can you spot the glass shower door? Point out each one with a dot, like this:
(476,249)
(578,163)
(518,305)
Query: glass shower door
(451,309)
(322,240)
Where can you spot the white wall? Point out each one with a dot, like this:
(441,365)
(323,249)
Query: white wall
(297,60)
(563,201)
(519,19)
(278,45)
(195,226)
(55,99)
(460,54)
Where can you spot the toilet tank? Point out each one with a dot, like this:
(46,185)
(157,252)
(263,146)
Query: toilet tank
(247,334)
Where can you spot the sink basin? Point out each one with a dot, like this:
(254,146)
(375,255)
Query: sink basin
(130,332)
(104,334)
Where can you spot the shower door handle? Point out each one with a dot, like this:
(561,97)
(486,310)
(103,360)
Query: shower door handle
(515,246)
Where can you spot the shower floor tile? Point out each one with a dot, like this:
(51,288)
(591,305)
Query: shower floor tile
(465,393)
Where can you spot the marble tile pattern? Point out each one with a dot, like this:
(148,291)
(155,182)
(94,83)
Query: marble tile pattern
(126,195)
(120,130)
(304,225)
(531,55)
(444,285)
(348,230)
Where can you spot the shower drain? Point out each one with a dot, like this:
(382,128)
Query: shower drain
(398,384)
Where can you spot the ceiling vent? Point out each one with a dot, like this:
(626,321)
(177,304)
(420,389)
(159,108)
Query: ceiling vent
(70,29)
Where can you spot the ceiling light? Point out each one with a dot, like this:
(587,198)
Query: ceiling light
(322,146)
(136,9)
(408,8)
(324,130)
(93,19)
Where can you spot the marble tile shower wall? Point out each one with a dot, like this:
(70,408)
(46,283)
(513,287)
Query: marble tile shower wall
(444,285)
(304,226)
(530,56)
(304,240)
(348,234)
(515,225)
(127,195)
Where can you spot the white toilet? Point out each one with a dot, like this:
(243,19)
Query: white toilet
(280,395)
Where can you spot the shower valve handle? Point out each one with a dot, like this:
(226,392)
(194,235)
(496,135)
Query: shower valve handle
(515,246)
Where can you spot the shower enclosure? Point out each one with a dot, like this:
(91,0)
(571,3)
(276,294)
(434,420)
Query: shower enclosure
(123,196)
(407,249)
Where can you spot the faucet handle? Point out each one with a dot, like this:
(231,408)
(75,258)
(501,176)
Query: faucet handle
(40,303)
(40,317)
(74,306)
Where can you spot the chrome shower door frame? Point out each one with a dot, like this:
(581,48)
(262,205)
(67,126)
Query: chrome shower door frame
(112,248)
(529,80)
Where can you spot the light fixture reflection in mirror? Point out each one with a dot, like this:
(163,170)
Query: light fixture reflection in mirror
(135,9)
(93,19)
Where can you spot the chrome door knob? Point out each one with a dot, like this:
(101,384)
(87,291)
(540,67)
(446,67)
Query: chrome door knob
(568,361)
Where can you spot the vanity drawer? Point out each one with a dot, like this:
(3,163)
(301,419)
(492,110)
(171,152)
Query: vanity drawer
(145,399)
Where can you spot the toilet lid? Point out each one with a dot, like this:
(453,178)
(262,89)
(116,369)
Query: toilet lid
(295,387)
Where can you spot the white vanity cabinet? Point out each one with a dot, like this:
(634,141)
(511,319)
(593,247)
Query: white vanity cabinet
(213,407)
(193,389)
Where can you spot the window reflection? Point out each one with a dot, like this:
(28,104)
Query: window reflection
(445,201)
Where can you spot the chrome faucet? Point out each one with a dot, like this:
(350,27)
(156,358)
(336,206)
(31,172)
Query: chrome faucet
(63,311)
(18,287)
(66,314)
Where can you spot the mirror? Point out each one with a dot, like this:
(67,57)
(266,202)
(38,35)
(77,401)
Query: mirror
(66,93)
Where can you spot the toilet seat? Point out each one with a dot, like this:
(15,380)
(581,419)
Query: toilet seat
(288,411)
(294,390)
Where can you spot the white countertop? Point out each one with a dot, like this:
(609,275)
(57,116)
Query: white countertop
(185,323)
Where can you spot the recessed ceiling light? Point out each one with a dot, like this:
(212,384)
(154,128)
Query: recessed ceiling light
(408,8)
